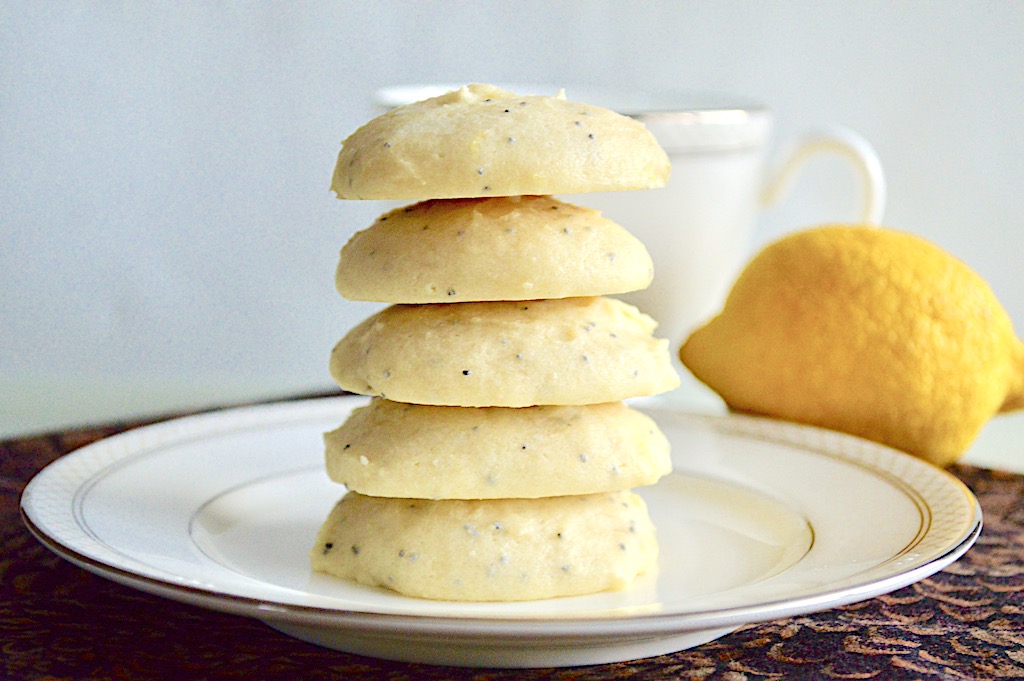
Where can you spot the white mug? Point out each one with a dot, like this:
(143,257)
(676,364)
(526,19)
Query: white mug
(699,227)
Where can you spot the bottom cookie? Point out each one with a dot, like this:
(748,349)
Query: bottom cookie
(488,550)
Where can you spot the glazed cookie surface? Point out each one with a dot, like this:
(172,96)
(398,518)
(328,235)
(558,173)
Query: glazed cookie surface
(391,449)
(506,248)
(505,354)
(480,140)
(488,550)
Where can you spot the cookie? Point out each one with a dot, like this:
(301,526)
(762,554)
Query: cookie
(480,140)
(488,550)
(507,248)
(505,354)
(391,449)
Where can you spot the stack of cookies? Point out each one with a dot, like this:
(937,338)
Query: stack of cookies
(495,459)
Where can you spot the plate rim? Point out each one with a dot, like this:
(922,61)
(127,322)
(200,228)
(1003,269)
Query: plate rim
(640,625)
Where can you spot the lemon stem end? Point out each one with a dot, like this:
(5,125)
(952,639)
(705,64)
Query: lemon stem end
(1015,395)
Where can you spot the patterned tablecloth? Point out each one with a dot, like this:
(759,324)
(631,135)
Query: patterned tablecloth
(60,622)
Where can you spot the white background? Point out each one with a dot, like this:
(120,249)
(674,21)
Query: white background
(167,238)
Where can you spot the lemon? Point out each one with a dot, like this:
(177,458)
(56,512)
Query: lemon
(865,330)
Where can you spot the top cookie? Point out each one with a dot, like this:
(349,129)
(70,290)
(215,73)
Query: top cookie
(482,141)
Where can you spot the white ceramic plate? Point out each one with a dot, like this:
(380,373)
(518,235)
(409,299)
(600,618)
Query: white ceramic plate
(760,520)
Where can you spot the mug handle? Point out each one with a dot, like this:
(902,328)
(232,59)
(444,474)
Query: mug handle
(836,139)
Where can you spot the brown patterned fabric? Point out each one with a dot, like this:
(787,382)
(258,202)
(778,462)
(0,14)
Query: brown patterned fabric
(60,622)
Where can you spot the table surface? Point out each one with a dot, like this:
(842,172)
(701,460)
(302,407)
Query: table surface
(60,622)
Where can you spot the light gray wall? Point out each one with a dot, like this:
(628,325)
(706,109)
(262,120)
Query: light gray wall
(168,239)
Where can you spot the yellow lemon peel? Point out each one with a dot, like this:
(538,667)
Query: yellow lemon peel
(865,330)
